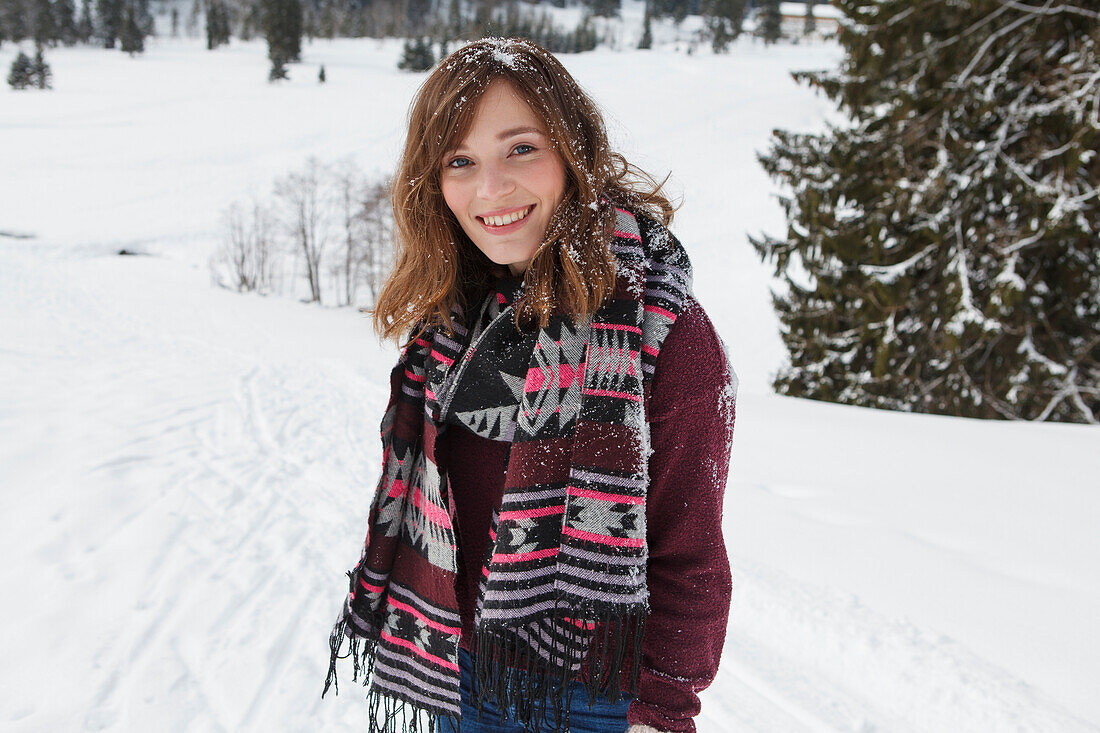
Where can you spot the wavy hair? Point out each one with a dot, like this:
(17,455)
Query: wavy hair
(437,266)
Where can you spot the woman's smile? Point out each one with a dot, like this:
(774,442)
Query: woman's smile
(504,223)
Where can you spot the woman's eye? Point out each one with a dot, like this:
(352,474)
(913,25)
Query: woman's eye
(523,149)
(458,163)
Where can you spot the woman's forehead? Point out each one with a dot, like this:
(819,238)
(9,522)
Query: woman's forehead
(500,112)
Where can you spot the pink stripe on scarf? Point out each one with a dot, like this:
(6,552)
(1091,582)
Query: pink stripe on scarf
(609,393)
(419,651)
(544,511)
(602,538)
(521,556)
(604,496)
(430,622)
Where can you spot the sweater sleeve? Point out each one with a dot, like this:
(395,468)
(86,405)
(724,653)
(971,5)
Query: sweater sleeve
(691,414)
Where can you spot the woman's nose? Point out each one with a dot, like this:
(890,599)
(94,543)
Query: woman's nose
(495,182)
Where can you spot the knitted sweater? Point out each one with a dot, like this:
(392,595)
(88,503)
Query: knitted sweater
(690,410)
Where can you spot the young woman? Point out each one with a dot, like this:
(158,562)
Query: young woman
(555,449)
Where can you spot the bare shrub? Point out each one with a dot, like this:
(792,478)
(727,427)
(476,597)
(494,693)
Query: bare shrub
(306,208)
(244,259)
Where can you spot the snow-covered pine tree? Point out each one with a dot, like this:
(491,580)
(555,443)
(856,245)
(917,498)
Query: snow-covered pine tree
(85,27)
(278,70)
(646,40)
(108,21)
(416,55)
(131,37)
(45,30)
(723,21)
(65,17)
(41,75)
(282,21)
(942,251)
(217,24)
(771,21)
(21,73)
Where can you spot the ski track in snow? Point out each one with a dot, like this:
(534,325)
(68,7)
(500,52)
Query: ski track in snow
(204,534)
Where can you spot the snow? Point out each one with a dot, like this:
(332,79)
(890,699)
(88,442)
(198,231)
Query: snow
(186,471)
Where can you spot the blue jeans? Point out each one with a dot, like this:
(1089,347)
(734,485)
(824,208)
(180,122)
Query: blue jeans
(603,717)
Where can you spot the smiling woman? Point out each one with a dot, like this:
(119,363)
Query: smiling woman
(545,540)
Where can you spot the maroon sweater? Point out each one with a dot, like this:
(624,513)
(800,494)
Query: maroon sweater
(690,412)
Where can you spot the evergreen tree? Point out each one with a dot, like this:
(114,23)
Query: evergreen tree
(457,22)
(416,55)
(45,30)
(605,8)
(282,26)
(278,69)
(723,21)
(21,73)
(131,36)
(941,253)
(810,26)
(647,31)
(65,17)
(40,71)
(108,21)
(771,21)
(217,24)
(175,23)
(13,20)
(85,27)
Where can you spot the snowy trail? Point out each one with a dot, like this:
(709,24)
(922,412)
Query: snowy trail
(189,485)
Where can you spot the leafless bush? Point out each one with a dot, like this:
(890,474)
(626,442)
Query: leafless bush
(366,248)
(327,219)
(306,207)
(244,259)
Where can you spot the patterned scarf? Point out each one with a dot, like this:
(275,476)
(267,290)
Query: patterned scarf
(564,577)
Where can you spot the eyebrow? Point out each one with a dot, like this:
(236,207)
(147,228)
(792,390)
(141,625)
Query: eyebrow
(509,133)
(518,131)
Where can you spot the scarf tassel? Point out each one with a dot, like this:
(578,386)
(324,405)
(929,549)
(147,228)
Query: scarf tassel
(524,686)
(385,714)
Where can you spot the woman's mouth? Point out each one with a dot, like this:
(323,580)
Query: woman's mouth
(507,221)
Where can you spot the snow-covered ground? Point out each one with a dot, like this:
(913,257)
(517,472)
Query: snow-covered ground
(185,472)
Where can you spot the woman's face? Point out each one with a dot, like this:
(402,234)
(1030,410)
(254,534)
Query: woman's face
(504,180)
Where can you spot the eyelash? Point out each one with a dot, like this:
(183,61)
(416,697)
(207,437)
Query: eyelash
(451,164)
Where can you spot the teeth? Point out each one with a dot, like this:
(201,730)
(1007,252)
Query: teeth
(499,221)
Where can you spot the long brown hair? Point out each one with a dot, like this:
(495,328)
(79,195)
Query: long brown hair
(437,265)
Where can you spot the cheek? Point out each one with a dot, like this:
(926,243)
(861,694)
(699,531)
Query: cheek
(452,195)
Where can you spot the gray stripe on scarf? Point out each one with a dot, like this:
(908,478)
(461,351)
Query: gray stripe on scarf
(604,478)
(600,557)
(429,670)
(503,572)
(511,612)
(532,496)
(600,595)
(497,595)
(396,689)
(404,594)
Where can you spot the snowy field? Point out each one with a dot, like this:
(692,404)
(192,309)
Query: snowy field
(186,472)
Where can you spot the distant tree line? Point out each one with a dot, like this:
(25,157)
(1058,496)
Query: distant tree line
(48,23)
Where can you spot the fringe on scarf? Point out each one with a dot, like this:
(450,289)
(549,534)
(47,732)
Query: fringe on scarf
(385,714)
(520,682)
